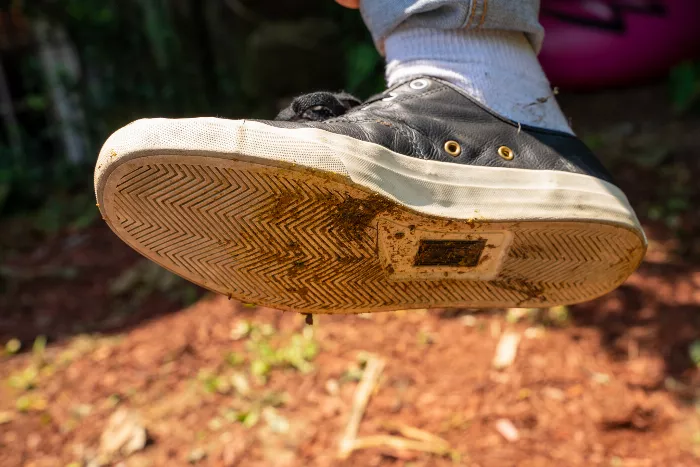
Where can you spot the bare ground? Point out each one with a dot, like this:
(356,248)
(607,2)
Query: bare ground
(614,382)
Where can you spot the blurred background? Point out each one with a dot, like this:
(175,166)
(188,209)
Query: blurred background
(106,358)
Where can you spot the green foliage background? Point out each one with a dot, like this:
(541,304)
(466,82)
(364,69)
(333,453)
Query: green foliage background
(176,58)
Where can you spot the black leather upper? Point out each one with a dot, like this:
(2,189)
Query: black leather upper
(417,118)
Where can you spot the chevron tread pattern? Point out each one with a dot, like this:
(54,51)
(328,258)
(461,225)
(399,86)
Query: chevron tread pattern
(276,237)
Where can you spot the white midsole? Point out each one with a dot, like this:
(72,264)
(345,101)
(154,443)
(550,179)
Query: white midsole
(430,187)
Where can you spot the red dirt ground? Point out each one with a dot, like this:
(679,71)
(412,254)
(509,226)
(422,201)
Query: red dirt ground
(611,384)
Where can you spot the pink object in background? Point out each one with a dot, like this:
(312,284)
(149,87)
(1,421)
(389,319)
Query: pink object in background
(599,43)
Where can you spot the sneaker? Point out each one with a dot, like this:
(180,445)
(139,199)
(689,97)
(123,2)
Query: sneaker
(417,198)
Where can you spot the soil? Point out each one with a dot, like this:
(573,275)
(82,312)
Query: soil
(352,216)
(613,382)
(450,253)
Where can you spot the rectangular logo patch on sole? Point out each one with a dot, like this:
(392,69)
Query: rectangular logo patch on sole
(450,253)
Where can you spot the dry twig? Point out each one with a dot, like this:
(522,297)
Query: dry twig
(401,444)
(415,433)
(374,368)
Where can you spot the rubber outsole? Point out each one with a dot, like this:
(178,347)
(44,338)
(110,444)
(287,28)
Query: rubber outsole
(296,238)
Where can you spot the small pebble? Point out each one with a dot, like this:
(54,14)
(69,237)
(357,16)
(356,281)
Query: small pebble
(506,429)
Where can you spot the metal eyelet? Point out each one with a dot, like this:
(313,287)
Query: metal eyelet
(392,96)
(453,148)
(506,153)
(419,84)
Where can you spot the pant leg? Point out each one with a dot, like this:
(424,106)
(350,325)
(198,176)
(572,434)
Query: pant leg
(383,16)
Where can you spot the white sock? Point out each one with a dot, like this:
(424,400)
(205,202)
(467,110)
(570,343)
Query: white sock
(499,69)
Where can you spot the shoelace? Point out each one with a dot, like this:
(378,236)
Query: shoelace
(319,106)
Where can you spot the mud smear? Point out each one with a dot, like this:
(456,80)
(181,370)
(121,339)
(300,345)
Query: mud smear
(527,251)
(348,220)
(298,261)
(302,292)
(282,203)
(352,216)
(522,286)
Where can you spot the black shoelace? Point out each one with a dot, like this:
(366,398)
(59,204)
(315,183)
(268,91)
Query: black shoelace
(319,106)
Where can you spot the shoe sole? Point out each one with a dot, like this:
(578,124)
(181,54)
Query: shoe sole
(310,221)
